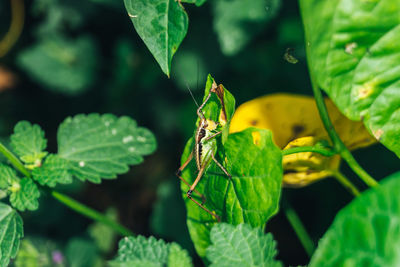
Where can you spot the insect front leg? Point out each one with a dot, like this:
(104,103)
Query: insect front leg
(221,167)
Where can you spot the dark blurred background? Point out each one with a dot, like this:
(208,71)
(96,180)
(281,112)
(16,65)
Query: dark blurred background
(85,56)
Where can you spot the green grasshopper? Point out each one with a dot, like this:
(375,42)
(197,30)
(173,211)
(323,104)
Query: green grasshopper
(205,147)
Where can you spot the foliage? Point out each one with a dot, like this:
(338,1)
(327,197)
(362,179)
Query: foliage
(11,231)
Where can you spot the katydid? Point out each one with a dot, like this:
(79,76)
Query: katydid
(204,149)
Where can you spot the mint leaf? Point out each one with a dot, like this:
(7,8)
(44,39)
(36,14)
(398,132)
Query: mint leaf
(29,143)
(139,251)
(366,232)
(11,231)
(54,170)
(162,25)
(236,22)
(241,246)
(8,176)
(352,57)
(26,196)
(102,146)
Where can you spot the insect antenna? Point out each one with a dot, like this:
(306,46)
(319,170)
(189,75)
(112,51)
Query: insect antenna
(190,91)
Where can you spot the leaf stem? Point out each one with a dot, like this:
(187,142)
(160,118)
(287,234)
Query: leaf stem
(16,26)
(346,183)
(90,213)
(299,229)
(322,151)
(338,145)
(66,200)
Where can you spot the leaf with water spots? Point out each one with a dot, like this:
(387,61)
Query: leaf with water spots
(354,56)
(102,146)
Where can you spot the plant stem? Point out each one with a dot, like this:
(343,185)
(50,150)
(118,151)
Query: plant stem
(299,229)
(338,145)
(322,151)
(66,200)
(90,213)
(16,26)
(14,160)
(346,183)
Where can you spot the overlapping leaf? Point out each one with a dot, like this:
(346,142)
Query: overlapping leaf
(11,231)
(366,232)
(54,170)
(26,196)
(139,251)
(102,146)
(241,246)
(255,164)
(353,55)
(162,25)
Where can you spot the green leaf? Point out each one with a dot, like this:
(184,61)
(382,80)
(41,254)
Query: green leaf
(54,170)
(26,196)
(196,2)
(139,251)
(162,25)
(8,176)
(11,231)
(353,57)
(241,246)
(60,64)
(254,162)
(28,142)
(80,253)
(366,232)
(236,22)
(102,146)
(103,236)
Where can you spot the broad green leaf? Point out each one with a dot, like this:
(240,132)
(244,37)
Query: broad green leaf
(196,2)
(26,196)
(60,64)
(255,164)
(236,22)
(80,253)
(162,25)
(8,176)
(29,143)
(241,246)
(54,170)
(366,232)
(102,146)
(11,231)
(139,251)
(353,55)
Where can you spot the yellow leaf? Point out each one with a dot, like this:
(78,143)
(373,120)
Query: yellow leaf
(290,117)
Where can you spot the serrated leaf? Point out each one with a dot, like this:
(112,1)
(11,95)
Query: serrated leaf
(139,251)
(11,231)
(60,64)
(28,142)
(162,25)
(353,56)
(53,170)
(241,246)
(26,197)
(366,232)
(102,146)
(7,176)
(236,22)
(255,164)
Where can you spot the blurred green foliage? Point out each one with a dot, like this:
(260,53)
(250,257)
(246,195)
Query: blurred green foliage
(108,69)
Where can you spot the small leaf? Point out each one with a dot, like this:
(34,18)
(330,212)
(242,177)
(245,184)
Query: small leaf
(54,170)
(366,232)
(196,2)
(353,57)
(81,253)
(8,176)
(26,197)
(139,251)
(102,146)
(162,25)
(241,246)
(103,236)
(28,142)
(61,64)
(236,22)
(11,231)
